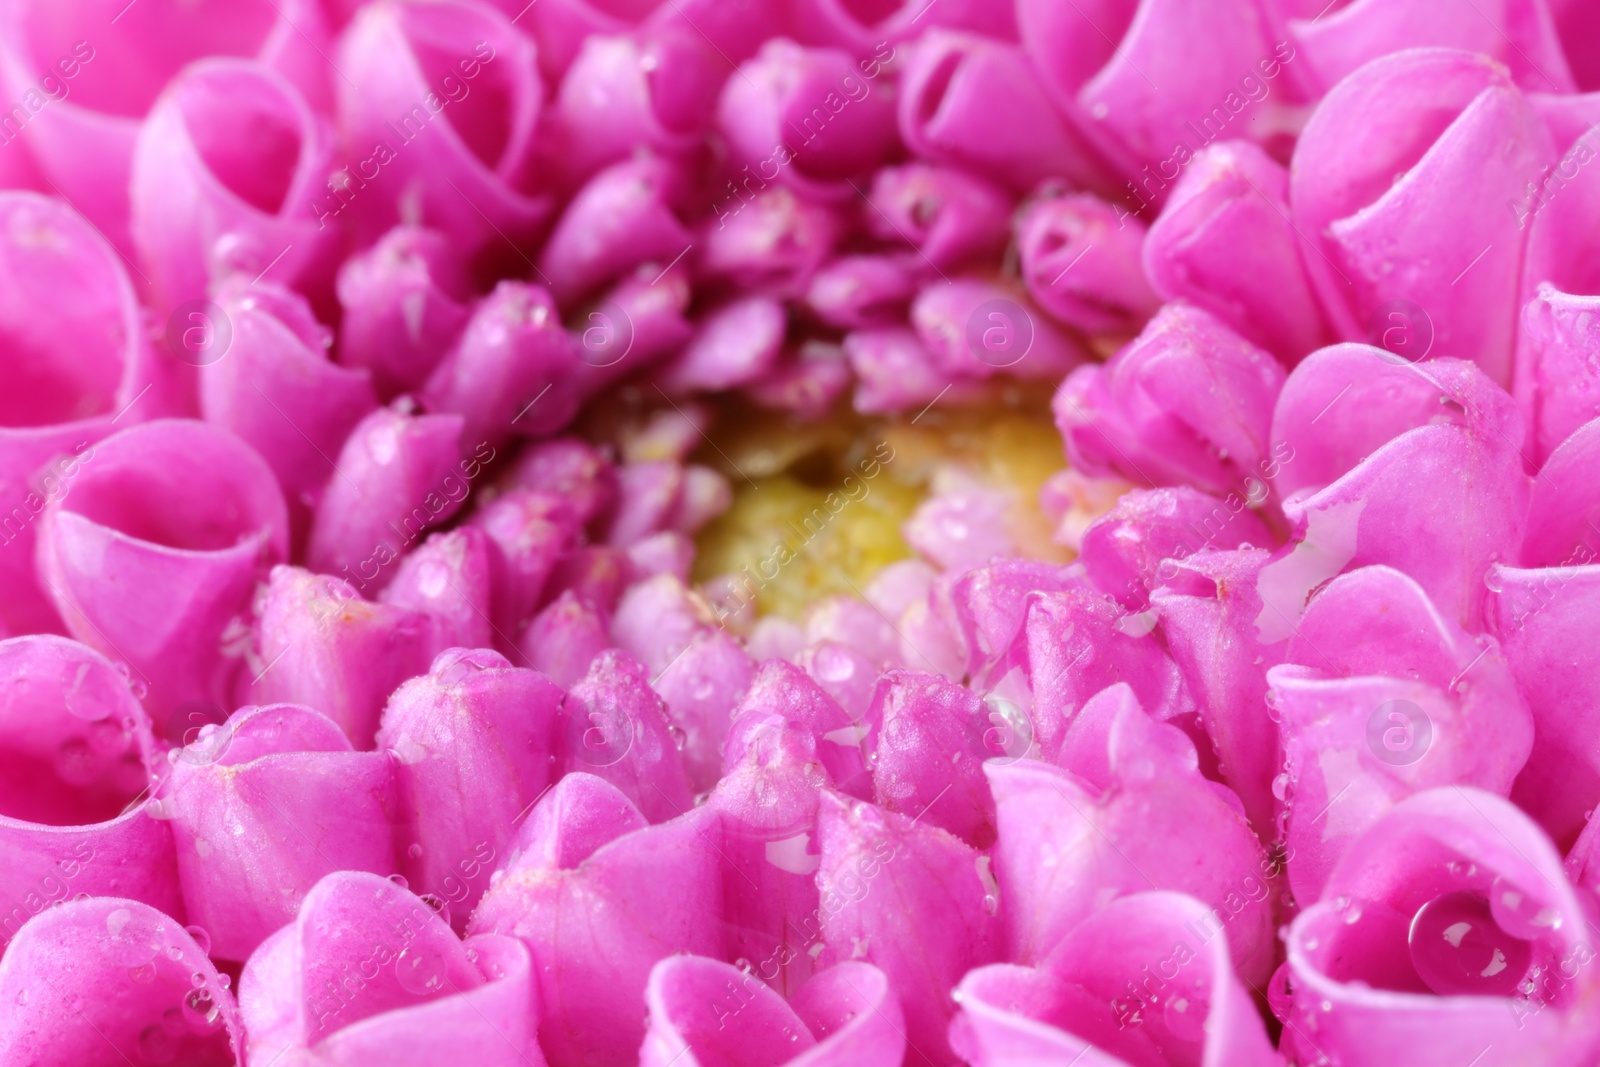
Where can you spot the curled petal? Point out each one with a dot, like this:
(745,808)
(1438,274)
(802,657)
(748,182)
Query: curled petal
(396,475)
(73,741)
(1378,965)
(976,102)
(860,291)
(929,754)
(264,806)
(621,218)
(572,469)
(775,247)
(87,365)
(1418,245)
(84,142)
(188,516)
(701,688)
(472,745)
(106,981)
(562,641)
(1056,238)
(885,881)
(975,329)
(1145,980)
(784,690)
(1187,401)
(275,388)
(528,530)
(947,214)
(600,920)
(459,164)
(1224,242)
(1065,847)
(405,303)
(318,643)
(512,353)
(1556,382)
(612,725)
(368,972)
(809,115)
(447,578)
(1539,614)
(733,345)
(226,171)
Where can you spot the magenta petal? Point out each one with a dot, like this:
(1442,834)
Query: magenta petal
(472,745)
(396,475)
(73,753)
(623,217)
(1129,75)
(859,291)
(772,243)
(613,726)
(572,469)
(784,690)
(187,515)
(105,982)
(1081,258)
(1556,382)
(911,900)
(705,1011)
(878,28)
(735,344)
(226,172)
(1065,847)
(1188,400)
(318,643)
(1224,242)
(854,1015)
(80,360)
(701,688)
(947,214)
(655,90)
(1146,980)
(976,329)
(510,371)
(809,115)
(894,370)
(935,737)
(768,806)
(275,388)
(1376,993)
(1518,33)
(1394,698)
(447,578)
(563,640)
(1564,504)
(528,530)
(1077,643)
(458,162)
(598,921)
(84,141)
(404,303)
(1125,551)
(1457,134)
(1209,610)
(261,808)
(976,102)
(420,995)
(1541,616)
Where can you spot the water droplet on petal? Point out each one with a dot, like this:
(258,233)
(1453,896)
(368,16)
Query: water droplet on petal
(420,970)
(1520,914)
(1458,949)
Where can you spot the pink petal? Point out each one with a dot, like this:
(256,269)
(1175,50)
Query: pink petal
(1106,997)
(264,806)
(912,901)
(457,163)
(368,973)
(187,515)
(562,641)
(1419,241)
(598,922)
(447,578)
(934,739)
(318,643)
(472,742)
(396,475)
(73,750)
(528,530)
(1224,242)
(404,304)
(613,726)
(948,215)
(1081,259)
(226,173)
(92,982)
(88,362)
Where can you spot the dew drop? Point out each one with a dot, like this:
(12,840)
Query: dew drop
(1458,949)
